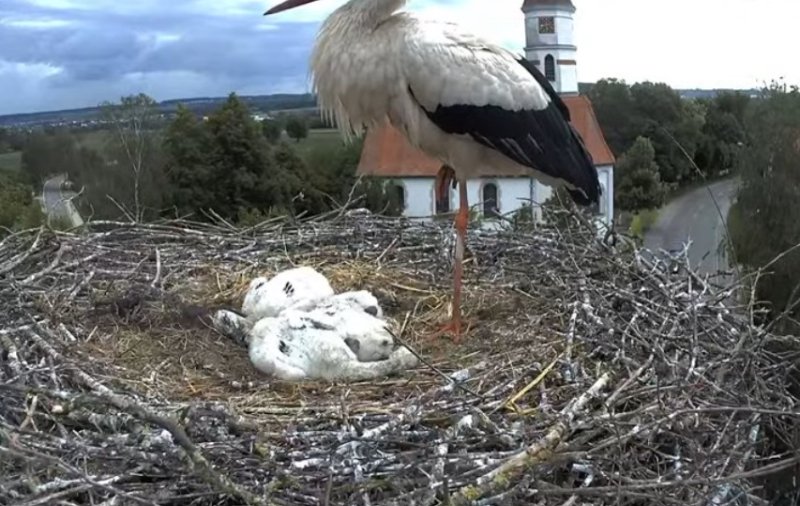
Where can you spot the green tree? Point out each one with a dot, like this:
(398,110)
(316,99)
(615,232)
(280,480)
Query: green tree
(226,164)
(245,173)
(5,145)
(18,209)
(615,109)
(671,124)
(37,161)
(332,168)
(188,163)
(272,129)
(332,179)
(240,157)
(655,111)
(720,146)
(638,185)
(104,185)
(47,153)
(765,220)
(296,128)
(292,183)
(135,149)
(733,102)
(11,139)
(723,133)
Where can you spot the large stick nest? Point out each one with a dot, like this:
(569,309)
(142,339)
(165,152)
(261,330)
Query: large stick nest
(591,373)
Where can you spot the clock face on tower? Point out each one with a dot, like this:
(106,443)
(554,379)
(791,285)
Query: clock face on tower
(547,25)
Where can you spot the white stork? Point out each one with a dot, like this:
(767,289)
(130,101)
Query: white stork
(455,96)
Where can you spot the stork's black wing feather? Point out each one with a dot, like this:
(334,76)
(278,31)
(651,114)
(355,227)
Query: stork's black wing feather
(541,139)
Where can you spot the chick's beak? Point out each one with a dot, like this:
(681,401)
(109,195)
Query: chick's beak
(288,4)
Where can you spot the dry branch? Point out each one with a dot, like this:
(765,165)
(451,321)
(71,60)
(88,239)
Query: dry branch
(591,374)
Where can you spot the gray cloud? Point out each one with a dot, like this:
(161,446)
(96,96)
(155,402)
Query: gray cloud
(57,55)
(76,53)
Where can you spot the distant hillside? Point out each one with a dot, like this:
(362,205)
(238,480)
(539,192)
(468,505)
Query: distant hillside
(694,93)
(199,105)
(257,103)
(699,93)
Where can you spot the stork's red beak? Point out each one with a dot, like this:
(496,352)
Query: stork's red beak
(288,4)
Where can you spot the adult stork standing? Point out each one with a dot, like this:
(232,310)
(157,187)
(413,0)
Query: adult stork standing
(455,96)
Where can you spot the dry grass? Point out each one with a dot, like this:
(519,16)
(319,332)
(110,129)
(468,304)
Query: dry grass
(590,373)
(169,351)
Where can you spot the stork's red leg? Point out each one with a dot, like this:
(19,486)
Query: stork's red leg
(461,221)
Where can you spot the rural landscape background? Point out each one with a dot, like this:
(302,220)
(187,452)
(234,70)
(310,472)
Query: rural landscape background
(243,159)
(156,158)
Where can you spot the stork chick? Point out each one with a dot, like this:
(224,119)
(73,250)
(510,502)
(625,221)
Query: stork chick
(455,96)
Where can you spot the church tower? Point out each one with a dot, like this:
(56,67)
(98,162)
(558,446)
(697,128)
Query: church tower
(550,43)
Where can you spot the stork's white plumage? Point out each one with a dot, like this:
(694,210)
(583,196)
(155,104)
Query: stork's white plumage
(297,288)
(457,97)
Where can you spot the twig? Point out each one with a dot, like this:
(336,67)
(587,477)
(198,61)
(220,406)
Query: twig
(101,354)
(537,452)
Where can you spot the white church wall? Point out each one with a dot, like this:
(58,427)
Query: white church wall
(512,193)
(567,78)
(606,175)
(419,198)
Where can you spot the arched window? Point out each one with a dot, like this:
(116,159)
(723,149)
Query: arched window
(443,204)
(399,195)
(550,68)
(490,205)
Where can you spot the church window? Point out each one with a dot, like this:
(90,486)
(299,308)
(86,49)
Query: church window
(547,25)
(399,195)
(443,204)
(490,207)
(550,67)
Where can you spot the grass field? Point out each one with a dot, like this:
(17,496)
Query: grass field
(96,140)
(316,138)
(10,161)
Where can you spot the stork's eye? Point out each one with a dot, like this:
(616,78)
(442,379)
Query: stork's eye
(372,310)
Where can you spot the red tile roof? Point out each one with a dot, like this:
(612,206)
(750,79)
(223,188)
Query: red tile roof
(387,153)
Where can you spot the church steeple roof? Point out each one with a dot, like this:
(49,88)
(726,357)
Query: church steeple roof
(529,4)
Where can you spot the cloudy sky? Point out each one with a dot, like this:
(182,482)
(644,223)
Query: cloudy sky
(74,53)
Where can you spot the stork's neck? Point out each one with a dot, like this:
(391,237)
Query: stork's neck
(364,13)
(342,43)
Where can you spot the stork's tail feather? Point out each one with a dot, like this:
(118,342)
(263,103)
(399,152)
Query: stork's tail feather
(588,190)
(578,166)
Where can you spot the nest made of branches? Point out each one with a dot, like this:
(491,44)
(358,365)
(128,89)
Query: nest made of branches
(590,373)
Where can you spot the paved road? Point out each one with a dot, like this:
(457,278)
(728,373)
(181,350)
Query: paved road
(694,216)
(56,201)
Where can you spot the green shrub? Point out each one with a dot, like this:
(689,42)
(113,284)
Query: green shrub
(642,222)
